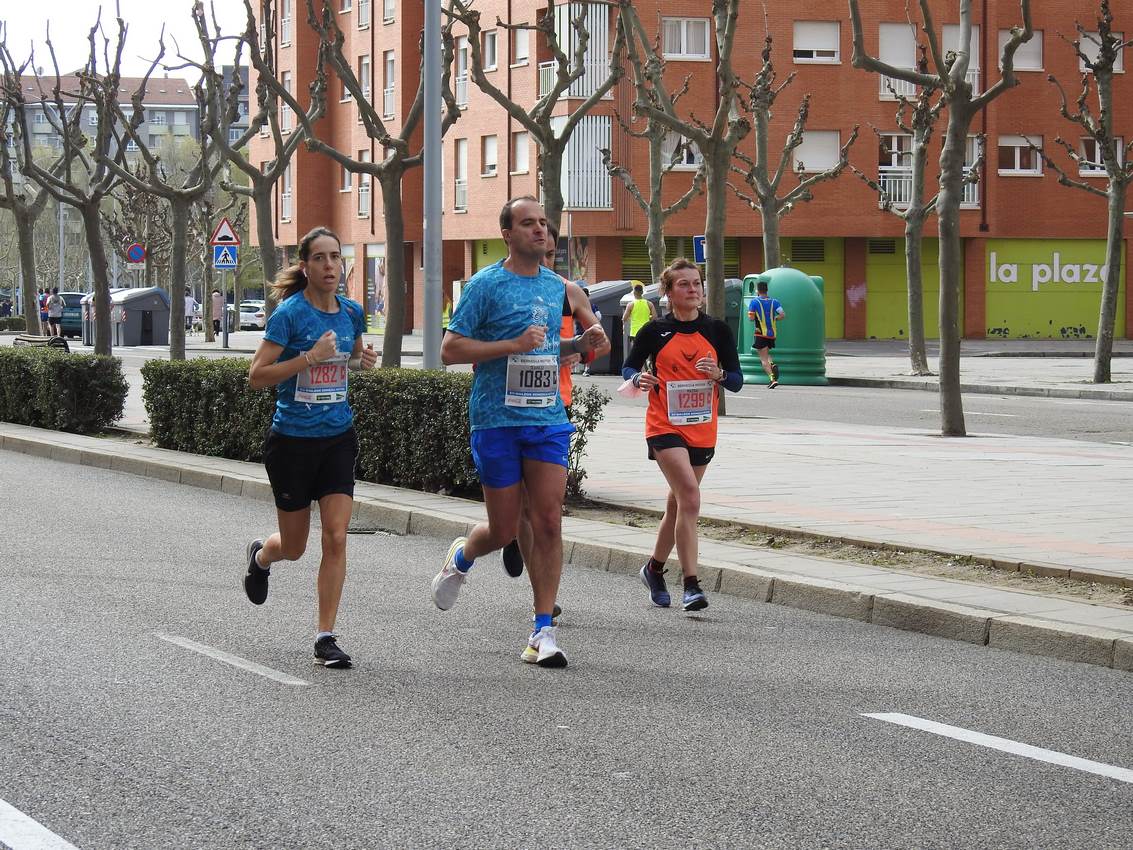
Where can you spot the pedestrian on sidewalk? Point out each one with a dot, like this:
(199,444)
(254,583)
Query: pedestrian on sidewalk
(679,361)
(507,324)
(190,308)
(766,312)
(312,342)
(55,304)
(217,310)
(637,312)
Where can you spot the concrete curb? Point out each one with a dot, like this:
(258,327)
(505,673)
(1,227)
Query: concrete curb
(988,389)
(897,610)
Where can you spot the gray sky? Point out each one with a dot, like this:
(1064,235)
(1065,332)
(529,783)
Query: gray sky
(71,20)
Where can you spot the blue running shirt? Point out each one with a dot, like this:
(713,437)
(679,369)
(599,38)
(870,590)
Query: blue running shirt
(297,326)
(765,312)
(497,304)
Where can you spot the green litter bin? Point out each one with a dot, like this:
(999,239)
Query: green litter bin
(800,339)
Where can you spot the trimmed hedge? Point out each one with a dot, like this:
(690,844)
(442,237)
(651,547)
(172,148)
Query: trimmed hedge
(13,323)
(48,388)
(412,425)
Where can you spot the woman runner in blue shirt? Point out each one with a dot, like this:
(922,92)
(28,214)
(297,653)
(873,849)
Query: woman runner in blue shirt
(312,341)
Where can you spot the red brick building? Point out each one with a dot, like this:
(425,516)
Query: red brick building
(1033,249)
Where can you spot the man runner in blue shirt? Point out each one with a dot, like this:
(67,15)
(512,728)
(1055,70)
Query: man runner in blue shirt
(765,311)
(507,323)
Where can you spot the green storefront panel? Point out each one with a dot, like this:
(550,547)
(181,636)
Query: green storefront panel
(487,251)
(887,290)
(1047,288)
(822,258)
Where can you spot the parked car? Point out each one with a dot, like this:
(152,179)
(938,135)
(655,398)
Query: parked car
(252,315)
(72,324)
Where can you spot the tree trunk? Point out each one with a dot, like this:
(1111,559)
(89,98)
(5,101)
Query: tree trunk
(396,283)
(268,258)
(951,269)
(716,197)
(655,238)
(550,181)
(1103,351)
(179,210)
(92,227)
(25,230)
(914,234)
(772,253)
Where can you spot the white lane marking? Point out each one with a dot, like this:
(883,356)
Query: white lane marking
(971,412)
(234,660)
(19,832)
(1008,746)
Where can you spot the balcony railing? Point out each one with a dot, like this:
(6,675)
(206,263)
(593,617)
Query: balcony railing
(387,103)
(897,184)
(460,91)
(460,195)
(285,206)
(892,89)
(594,75)
(364,197)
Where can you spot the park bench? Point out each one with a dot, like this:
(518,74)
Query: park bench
(42,341)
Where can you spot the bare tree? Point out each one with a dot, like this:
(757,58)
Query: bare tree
(660,165)
(1106,157)
(86,179)
(948,74)
(398,153)
(765,185)
(572,70)
(716,139)
(222,110)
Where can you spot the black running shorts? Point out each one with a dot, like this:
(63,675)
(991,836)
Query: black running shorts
(697,456)
(763,342)
(304,469)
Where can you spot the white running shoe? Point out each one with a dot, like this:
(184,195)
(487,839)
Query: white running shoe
(447,584)
(542,649)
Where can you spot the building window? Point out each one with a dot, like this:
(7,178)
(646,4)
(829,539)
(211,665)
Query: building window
(180,118)
(817,41)
(234,134)
(363,14)
(520,143)
(284,107)
(388,7)
(153,143)
(460,77)
(284,23)
(897,46)
(819,150)
(679,154)
(488,156)
(460,181)
(364,180)
(92,118)
(347,179)
(1017,156)
(950,43)
(489,50)
(40,117)
(685,38)
(519,47)
(131,146)
(894,167)
(157,118)
(364,76)
(285,195)
(1091,47)
(346,95)
(1029,56)
(1090,150)
(345,6)
(390,71)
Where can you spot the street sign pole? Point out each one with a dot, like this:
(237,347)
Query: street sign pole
(224,311)
(432,178)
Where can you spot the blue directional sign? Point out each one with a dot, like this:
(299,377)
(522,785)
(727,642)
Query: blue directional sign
(224,256)
(698,249)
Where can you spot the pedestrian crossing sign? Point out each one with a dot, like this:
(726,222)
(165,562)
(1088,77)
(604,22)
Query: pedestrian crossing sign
(224,256)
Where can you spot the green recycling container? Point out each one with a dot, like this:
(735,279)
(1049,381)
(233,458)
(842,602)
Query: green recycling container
(800,339)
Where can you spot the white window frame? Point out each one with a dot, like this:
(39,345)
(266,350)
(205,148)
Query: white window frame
(346,6)
(817,46)
(492,52)
(691,157)
(819,142)
(365,201)
(1090,144)
(520,40)
(684,53)
(489,155)
(284,108)
(92,118)
(389,9)
(1025,52)
(347,184)
(460,175)
(899,149)
(365,76)
(285,207)
(284,23)
(1091,49)
(521,150)
(39,117)
(158,118)
(234,134)
(1020,144)
(363,14)
(389,82)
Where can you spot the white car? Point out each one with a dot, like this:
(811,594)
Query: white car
(252,315)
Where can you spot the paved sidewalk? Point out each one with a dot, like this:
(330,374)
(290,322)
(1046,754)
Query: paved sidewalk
(1024,622)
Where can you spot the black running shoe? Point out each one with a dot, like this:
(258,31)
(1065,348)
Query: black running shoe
(256,578)
(513,559)
(328,653)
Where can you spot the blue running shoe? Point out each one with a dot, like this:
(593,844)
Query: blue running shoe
(694,600)
(655,581)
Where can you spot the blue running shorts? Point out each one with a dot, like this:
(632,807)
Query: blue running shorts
(499,452)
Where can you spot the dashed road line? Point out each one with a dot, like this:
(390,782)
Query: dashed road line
(972,413)
(20,832)
(1006,745)
(234,660)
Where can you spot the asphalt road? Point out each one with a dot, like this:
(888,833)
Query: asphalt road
(741,728)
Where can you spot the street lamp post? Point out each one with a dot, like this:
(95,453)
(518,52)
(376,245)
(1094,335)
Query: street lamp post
(432,177)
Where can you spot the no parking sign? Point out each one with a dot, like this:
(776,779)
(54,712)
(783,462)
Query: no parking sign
(135,253)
